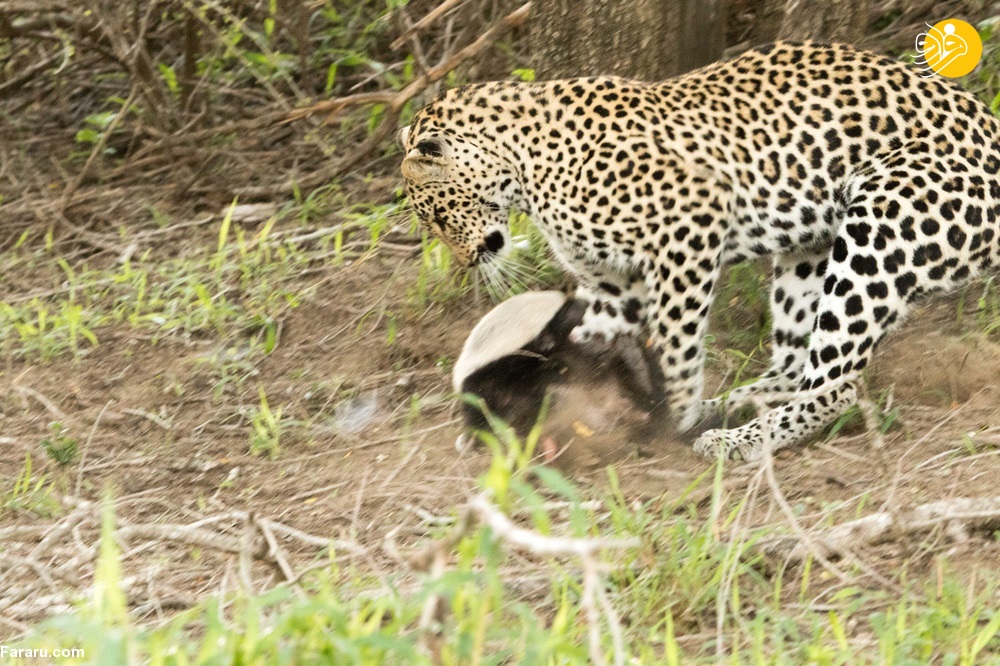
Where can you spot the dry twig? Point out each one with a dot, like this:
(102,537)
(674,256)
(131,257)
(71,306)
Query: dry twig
(480,510)
(807,540)
(426,21)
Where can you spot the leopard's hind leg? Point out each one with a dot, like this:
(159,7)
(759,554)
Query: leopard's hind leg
(899,240)
(795,291)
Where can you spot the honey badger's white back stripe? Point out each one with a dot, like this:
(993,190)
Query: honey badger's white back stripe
(505,329)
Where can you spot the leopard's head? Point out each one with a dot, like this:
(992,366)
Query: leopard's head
(461,191)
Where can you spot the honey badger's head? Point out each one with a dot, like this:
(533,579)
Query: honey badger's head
(514,354)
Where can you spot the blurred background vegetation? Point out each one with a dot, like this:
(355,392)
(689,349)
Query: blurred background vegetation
(190,102)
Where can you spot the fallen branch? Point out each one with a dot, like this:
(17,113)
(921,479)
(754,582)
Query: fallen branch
(192,536)
(275,553)
(972,513)
(311,539)
(595,597)
(62,528)
(480,510)
(505,529)
(49,406)
(809,545)
(250,538)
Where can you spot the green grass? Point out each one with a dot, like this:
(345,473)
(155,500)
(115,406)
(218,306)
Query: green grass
(59,446)
(694,590)
(988,307)
(266,428)
(30,492)
(530,266)
(237,289)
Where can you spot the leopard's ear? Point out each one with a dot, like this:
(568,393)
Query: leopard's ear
(402,135)
(426,162)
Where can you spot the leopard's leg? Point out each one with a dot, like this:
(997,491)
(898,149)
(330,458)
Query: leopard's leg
(795,291)
(615,300)
(844,335)
(678,320)
(615,308)
(890,249)
(782,427)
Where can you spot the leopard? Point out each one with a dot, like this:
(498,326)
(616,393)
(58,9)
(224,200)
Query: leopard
(868,185)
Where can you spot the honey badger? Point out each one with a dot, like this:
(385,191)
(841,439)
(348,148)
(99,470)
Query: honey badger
(520,354)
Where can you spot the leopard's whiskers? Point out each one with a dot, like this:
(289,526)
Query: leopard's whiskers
(496,282)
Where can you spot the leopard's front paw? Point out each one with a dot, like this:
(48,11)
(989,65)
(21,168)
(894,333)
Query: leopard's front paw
(728,444)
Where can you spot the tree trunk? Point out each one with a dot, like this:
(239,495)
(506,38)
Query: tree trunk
(702,35)
(767,21)
(638,39)
(829,20)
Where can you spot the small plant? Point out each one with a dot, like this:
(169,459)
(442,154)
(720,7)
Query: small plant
(884,418)
(30,493)
(742,306)
(988,307)
(48,330)
(266,428)
(95,126)
(529,266)
(60,447)
(231,367)
(435,281)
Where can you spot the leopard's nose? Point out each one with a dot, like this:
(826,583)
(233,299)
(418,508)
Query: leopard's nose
(492,245)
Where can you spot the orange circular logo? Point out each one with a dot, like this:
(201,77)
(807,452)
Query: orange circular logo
(950,48)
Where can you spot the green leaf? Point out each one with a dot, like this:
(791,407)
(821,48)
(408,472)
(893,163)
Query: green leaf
(270,336)
(557,483)
(986,635)
(100,120)
(331,77)
(88,136)
(170,78)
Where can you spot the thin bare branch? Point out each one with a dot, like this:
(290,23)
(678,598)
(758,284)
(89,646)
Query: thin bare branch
(425,22)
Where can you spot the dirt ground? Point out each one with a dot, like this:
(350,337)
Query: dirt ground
(371,450)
